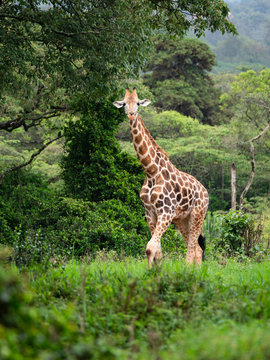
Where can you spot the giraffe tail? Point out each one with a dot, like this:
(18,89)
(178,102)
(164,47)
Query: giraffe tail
(202,243)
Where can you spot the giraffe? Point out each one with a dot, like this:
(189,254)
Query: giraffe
(168,194)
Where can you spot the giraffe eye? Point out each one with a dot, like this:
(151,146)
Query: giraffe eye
(124,104)
(138,104)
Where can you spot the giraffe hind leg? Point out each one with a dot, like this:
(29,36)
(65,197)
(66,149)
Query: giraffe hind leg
(194,250)
(202,243)
(182,226)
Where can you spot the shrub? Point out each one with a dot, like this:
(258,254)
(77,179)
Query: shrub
(94,168)
(238,235)
(166,125)
(23,196)
(58,228)
(171,124)
(6,232)
(109,225)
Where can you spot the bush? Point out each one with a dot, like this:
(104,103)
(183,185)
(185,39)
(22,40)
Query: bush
(108,225)
(94,168)
(23,196)
(238,235)
(6,232)
(37,246)
(56,228)
(166,125)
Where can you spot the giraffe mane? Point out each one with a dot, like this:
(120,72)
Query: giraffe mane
(156,146)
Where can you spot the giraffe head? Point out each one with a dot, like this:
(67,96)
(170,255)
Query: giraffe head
(131,103)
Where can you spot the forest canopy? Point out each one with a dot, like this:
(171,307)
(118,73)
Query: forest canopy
(51,51)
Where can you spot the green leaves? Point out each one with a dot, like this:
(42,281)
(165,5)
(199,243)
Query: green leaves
(179,78)
(94,167)
(234,225)
(197,15)
(250,82)
(85,44)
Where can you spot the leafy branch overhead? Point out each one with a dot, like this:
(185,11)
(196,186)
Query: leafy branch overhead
(197,15)
(85,46)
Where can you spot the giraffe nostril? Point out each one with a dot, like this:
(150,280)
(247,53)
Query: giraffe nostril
(131,113)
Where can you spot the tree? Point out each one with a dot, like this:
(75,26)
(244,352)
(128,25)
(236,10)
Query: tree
(179,78)
(251,104)
(94,168)
(53,51)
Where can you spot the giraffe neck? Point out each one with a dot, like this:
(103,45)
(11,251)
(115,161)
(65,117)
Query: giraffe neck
(147,150)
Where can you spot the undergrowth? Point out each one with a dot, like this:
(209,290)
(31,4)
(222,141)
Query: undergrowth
(111,309)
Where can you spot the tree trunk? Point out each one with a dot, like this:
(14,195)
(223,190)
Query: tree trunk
(252,159)
(222,183)
(233,185)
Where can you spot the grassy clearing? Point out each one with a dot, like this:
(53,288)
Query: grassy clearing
(110,309)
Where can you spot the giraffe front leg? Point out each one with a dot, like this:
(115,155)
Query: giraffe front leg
(153,251)
(151,218)
(153,248)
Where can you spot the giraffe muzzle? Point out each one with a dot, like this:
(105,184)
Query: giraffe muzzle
(131,116)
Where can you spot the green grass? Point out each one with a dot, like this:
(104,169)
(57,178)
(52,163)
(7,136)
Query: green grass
(111,309)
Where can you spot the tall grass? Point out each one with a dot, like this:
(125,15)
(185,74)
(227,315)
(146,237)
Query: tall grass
(111,309)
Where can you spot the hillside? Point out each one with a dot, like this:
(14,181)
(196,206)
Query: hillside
(251,49)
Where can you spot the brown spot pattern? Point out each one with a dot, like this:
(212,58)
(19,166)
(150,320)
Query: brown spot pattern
(143,148)
(146,160)
(168,187)
(152,152)
(165,174)
(138,139)
(152,169)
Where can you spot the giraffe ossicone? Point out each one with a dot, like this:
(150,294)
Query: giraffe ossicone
(168,194)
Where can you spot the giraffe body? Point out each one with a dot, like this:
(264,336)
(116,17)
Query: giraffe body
(168,194)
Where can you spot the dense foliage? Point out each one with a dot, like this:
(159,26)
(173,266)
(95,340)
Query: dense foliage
(179,78)
(44,227)
(83,46)
(94,168)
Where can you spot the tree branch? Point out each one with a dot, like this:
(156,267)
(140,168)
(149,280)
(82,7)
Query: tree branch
(250,180)
(22,120)
(34,155)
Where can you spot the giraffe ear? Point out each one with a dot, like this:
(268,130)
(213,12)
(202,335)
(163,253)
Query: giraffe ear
(144,102)
(118,104)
